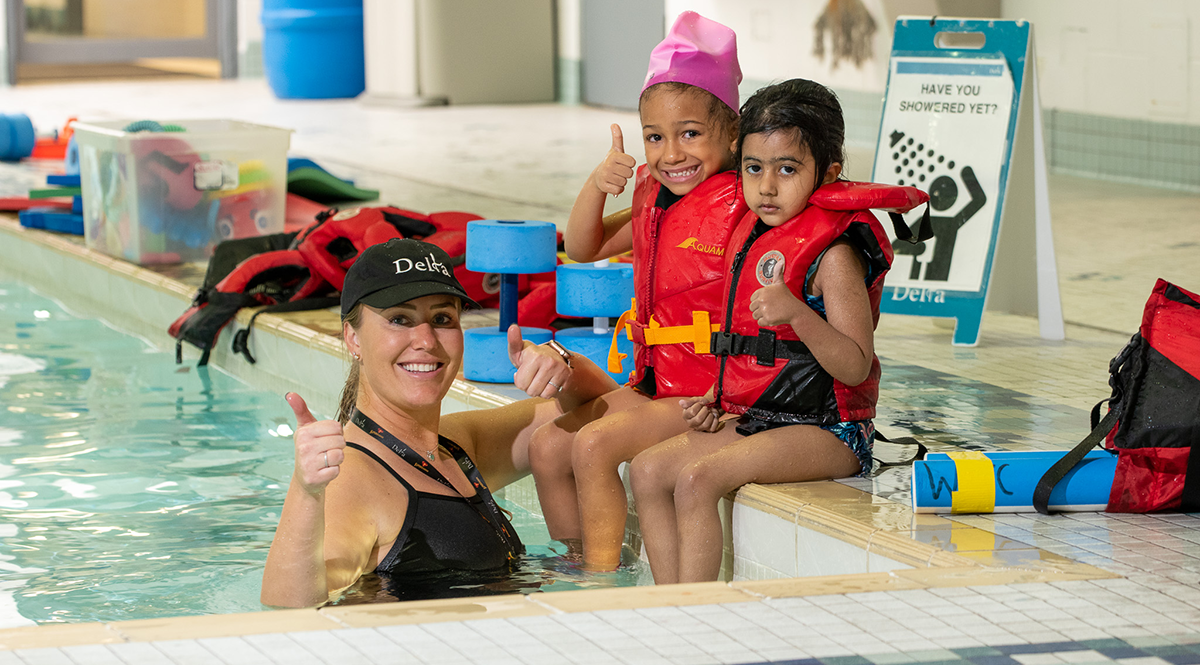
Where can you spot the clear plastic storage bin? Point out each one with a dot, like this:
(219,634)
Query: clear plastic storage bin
(169,193)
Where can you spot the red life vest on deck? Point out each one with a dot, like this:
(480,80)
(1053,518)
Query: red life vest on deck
(768,373)
(270,278)
(313,267)
(679,268)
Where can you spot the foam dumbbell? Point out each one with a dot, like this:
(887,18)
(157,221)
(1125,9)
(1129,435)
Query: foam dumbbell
(509,248)
(16,136)
(597,290)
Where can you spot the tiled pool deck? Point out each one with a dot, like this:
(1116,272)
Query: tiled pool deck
(993,590)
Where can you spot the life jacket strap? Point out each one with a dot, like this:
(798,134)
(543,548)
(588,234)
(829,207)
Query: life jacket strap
(698,334)
(764,347)
(615,357)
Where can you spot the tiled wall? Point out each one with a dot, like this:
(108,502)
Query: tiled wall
(250,60)
(1151,153)
(569,85)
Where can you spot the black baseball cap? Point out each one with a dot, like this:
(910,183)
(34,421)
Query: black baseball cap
(400,270)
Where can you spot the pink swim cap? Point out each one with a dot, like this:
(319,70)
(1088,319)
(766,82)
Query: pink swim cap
(699,52)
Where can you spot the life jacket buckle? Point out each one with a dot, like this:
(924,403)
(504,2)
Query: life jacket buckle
(721,343)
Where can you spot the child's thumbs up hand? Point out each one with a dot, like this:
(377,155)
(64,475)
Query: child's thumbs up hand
(775,304)
(615,171)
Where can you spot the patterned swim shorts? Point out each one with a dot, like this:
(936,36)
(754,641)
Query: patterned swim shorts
(860,436)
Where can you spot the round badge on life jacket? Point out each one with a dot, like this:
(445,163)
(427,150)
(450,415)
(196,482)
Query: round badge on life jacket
(770,267)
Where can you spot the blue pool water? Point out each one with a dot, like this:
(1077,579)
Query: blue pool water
(132,487)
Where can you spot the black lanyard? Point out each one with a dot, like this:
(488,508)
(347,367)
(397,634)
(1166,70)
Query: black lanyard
(490,512)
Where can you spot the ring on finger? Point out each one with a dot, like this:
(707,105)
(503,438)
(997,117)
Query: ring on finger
(556,386)
(325,455)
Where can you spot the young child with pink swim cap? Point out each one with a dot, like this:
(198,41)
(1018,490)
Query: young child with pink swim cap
(685,207)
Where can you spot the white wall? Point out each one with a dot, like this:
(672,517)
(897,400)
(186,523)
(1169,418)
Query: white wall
(569,33)
(3,46)
(250,28)
(1102,57)
(775,40)
(1116,58)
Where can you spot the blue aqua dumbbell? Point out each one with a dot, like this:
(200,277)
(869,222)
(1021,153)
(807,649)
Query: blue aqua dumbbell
(16,136)
(510,248)
(597,290)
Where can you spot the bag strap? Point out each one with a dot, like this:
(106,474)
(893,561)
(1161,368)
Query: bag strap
(241,339)
(1041,494)
(900,441)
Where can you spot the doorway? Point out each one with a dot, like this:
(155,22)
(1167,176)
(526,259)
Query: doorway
(54,40)
(617,37)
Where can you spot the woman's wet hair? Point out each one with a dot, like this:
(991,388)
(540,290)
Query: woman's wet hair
(350,390)
(720,116)
(805,107)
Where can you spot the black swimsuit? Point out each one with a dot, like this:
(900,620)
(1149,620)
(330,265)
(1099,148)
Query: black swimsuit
(441,533)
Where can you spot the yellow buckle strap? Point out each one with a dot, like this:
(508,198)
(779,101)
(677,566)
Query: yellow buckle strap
(976,483)
(614,356)
(698,334)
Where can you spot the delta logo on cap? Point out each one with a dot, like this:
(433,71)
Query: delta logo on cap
(427,264)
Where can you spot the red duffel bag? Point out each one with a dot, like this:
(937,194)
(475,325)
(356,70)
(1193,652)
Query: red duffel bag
(1153,419)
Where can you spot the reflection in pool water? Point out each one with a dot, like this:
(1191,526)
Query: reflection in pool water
(132,487)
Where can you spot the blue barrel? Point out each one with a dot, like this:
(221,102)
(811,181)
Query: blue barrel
(313,49)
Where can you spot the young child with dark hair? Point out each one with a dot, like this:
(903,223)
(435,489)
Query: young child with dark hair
(685,206)
(797,364)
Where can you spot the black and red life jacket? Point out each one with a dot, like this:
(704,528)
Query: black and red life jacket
(305,270)
(767,372)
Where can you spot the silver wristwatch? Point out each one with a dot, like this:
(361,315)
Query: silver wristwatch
(560,350)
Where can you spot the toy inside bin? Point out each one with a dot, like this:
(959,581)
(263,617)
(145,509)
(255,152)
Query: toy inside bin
(170,196)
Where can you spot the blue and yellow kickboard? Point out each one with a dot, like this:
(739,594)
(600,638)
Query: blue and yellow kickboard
(1003,482)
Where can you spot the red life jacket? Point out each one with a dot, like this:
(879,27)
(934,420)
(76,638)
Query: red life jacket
(315,265)
(679,267)
(332,245)
(270,278)
(768,373)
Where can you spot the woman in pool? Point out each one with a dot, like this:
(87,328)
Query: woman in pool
(392,487)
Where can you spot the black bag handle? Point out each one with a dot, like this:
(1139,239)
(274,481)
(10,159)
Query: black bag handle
(1100,428)
(1041,494)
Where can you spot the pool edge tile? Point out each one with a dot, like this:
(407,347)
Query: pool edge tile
(626,598)
(435,611)
(57,635)
(222,625)
(826,585)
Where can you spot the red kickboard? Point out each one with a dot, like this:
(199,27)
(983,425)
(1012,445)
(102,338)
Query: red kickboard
(15,203)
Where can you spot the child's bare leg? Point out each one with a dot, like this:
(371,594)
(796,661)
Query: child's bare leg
(652,474)
(783,455)
(598,451)
(550,459)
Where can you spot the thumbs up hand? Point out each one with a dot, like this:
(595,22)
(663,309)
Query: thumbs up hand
(541,371)
(320,447)
(615,171)
(775,304)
